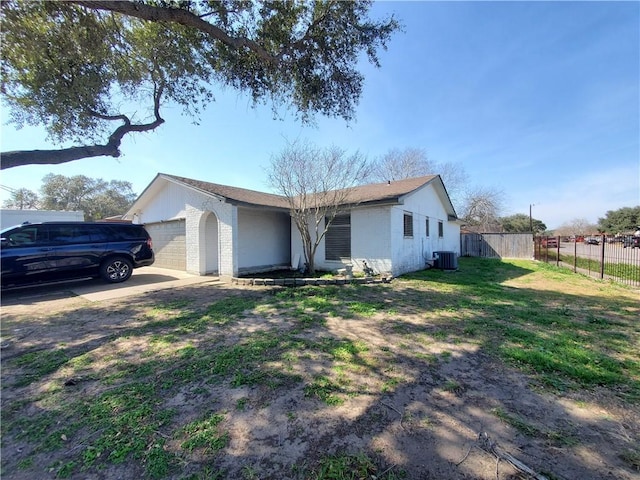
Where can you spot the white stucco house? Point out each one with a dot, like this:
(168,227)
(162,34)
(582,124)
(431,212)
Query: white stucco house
(206,228)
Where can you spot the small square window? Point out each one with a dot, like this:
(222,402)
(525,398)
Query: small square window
(408,225)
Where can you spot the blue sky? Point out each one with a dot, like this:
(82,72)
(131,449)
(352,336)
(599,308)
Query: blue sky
(538,99)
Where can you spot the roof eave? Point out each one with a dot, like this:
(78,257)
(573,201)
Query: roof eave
(379,203)
(258,206)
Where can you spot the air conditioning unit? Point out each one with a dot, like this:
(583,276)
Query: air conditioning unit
(445,260)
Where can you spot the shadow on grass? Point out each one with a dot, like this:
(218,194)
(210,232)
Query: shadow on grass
(408,374)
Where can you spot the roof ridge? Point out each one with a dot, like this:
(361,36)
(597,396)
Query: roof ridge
(177,177)
(373,192)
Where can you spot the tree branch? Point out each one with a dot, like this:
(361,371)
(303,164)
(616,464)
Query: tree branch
(180,16)
(104,116)
(55,157)
(300,43)
(111,149)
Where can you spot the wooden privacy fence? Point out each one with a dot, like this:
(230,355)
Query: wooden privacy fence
(496,245)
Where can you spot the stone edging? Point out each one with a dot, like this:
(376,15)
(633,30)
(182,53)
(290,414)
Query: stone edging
(298,282)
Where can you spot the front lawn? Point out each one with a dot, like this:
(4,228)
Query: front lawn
(421,378)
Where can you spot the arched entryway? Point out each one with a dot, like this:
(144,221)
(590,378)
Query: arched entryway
(209,244)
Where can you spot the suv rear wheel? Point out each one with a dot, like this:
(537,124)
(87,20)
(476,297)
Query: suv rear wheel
(116,269)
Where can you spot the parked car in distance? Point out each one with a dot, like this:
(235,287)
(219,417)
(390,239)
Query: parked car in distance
(631,241)
(550,242)
(50,251)
(591,241)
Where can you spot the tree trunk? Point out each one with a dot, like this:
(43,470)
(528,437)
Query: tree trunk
(309,257)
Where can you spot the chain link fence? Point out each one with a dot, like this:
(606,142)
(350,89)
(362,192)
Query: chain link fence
(610,257)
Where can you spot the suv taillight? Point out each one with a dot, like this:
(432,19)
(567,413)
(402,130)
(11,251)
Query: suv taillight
(150,243)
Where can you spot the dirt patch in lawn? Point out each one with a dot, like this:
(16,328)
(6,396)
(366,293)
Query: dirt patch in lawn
(406,380)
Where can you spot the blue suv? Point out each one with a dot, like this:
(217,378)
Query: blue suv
(43,252)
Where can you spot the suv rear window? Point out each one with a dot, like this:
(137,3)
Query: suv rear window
(127,232)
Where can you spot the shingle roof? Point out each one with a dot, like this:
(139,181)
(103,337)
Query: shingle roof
(392,190)
(240,195)
(375,192)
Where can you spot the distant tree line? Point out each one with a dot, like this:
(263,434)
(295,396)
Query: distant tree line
(479,208)
(95,197)
(625,220)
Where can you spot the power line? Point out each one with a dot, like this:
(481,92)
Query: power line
(8,189)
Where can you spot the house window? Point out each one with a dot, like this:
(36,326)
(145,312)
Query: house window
(408,225)
(427,226)
(440,229)
(337,241)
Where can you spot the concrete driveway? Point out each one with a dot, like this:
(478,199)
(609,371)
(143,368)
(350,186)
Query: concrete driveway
(145,279)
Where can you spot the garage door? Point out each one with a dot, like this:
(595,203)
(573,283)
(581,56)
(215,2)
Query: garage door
(169,244)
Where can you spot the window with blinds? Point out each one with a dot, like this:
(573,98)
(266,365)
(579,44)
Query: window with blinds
(408,225)
(337,241)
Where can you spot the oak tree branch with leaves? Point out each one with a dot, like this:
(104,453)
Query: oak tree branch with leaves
(84,69)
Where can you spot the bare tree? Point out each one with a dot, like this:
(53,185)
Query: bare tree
(22,199)
(482,207)
(455,180)
(317,183)
(399,164)
(577,226)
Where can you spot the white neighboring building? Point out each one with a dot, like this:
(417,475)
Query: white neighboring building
(10,218)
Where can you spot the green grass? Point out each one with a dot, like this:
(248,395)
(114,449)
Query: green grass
(619,270)
(564,339)
(353,467)
(453,386)
(530,429)
(517,422)
(326,390)
(125,420)
(41,363)
(632,457)
(302,340)
(205,434)
(224,311)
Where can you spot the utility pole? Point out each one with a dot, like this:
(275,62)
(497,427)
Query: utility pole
(530,219)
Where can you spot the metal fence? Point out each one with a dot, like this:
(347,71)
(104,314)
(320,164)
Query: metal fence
(496,245)
(602,256)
